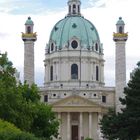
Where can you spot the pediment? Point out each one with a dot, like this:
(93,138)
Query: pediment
(74,101)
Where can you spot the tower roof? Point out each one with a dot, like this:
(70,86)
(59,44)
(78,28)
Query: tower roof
(120,21)
(29,21)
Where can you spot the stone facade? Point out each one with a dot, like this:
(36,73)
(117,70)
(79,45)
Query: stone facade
(74,73)
(80,111)
(62,61)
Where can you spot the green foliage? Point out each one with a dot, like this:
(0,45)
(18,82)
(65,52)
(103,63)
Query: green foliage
(29,93)
(9,132)
(110,125)
(45,124)
(7,72)
(19,104)
(15,109)
(6,126)
(26,136)
(88,139)
(125,125)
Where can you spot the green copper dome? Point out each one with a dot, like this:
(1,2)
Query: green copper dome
(74,27)
(29,21)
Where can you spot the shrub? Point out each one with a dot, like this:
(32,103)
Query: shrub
(88,139)
(9,132)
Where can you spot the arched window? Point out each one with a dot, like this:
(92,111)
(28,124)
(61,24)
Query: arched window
(51,73)
(96,47)
(74,71)
(28,29)
(97,73)
(52,47)
(74,44)
(74,9)
(120,29)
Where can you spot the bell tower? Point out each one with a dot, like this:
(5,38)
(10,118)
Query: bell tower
(29,37)
(120,37)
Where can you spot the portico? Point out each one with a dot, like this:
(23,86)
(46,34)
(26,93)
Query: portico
(78,117)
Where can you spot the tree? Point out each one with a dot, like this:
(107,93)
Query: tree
(125,125)
(20,104)
(88,139)
(7,78)
(10,132)
(30,94)
(45,123)
(13,105)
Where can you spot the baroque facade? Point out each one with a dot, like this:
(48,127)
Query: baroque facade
(74,73)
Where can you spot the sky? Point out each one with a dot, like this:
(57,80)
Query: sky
(45,13)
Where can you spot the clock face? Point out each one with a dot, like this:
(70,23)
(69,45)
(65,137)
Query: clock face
(74,44)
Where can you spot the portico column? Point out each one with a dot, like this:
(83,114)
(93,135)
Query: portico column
(68,126)
(81,125)
(90,124)
(59,130)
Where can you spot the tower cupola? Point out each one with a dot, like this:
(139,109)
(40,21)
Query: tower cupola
(29,26)
(74,7)
(29,31)
(120,25)
(120,34)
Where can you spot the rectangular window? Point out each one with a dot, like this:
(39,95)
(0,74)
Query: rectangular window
(104,99)
(97,73)
(51,73)
(46,98)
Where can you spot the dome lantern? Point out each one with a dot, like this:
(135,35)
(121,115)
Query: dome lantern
(74,7)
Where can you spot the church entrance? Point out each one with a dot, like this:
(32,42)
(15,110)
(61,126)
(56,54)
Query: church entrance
(74,132)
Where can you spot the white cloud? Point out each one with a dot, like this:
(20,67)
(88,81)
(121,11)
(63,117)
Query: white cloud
(97,3)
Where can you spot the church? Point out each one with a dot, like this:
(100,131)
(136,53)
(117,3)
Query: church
(74,73)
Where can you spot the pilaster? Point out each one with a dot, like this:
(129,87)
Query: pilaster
(68,126)
(81,125)
(90,124)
